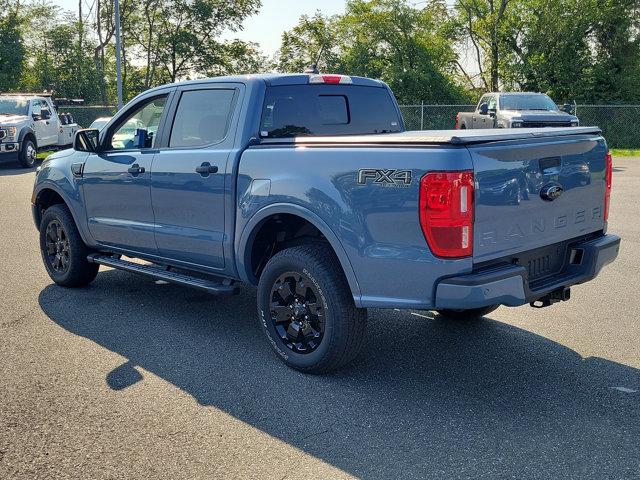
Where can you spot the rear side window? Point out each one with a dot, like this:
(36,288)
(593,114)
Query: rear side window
(202,118)
(291,110)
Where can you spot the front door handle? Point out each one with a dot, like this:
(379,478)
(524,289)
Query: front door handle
(206,168)
(135,169)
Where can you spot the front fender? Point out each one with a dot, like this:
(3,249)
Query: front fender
(245,240)
(24,131)
(56,175)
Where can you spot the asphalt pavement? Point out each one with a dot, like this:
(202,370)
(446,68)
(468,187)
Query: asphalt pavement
(131,379)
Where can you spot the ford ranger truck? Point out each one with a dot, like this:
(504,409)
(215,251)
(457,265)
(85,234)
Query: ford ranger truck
(29,123)
(306,186)
(517,110)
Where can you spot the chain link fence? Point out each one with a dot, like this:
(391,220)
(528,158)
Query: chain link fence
(85,115)
(620,124)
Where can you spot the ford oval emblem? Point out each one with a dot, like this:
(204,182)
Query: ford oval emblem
(551,192)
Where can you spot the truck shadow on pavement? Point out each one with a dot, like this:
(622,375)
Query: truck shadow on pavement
(429,398)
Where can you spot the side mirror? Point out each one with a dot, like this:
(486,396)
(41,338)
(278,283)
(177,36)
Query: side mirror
(36,116)
(567,108)
(86,140)
(484,109)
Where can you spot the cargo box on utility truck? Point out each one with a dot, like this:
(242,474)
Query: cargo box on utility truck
(307,186)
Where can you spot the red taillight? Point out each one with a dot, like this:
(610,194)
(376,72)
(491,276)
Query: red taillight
(446,212)
(608,174)
(457,126)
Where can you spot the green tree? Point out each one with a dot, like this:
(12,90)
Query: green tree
(584,50)
(59,54)
(548,48)
(407,47)
(313,40)
(187,29)
(483,23)
(616,39)
(12,50)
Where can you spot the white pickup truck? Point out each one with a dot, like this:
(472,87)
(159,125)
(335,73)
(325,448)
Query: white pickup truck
(30,122)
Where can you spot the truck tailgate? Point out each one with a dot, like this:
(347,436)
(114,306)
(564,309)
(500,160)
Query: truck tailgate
(536,193)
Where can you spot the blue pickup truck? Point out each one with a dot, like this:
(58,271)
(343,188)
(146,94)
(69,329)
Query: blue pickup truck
(307,186)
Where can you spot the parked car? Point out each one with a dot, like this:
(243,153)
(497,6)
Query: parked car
(307,186)
(100,122)
(29,123)
(517,110)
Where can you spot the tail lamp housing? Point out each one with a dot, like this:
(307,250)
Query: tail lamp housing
(446,212)
(608,174)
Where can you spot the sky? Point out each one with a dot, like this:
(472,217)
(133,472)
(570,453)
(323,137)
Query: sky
(265,28)
(276,17)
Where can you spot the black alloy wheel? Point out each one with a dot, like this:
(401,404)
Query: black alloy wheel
(297,313)
(306,309)
(57,246)
(63,252)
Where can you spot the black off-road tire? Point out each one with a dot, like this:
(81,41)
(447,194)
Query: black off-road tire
(344,325)
(471,314)
(76,271)
(27,153)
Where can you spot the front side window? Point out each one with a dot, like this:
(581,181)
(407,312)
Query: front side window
(493,104)
(36,107)
(140,128)
(202,118)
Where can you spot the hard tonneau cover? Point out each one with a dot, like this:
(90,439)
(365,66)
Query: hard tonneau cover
(427,137)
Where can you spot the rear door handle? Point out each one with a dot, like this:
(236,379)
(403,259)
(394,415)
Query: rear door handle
(206,168)
(135,169)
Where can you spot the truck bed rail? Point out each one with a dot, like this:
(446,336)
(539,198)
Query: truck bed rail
(435,137)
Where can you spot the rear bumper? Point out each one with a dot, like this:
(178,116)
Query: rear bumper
(509,285)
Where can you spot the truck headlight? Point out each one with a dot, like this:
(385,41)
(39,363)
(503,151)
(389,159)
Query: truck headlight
(516,124)
(11,131)
(575,123)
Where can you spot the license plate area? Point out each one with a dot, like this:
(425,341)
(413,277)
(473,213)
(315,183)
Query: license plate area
(543,262)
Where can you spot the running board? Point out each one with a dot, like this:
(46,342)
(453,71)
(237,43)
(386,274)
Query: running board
(157,272)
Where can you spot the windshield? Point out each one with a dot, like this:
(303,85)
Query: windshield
(527,102)
(14,106)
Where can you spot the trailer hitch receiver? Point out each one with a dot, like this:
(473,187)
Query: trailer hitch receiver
(559,295)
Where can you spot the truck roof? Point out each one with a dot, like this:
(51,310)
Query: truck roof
(30,95)
(517,93)
(272,79)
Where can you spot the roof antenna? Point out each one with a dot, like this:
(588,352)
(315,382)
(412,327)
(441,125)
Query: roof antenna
(313,68)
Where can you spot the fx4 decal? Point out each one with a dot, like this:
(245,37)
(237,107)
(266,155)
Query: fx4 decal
(384,177)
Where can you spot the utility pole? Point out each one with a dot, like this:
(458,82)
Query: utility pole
(118,53)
